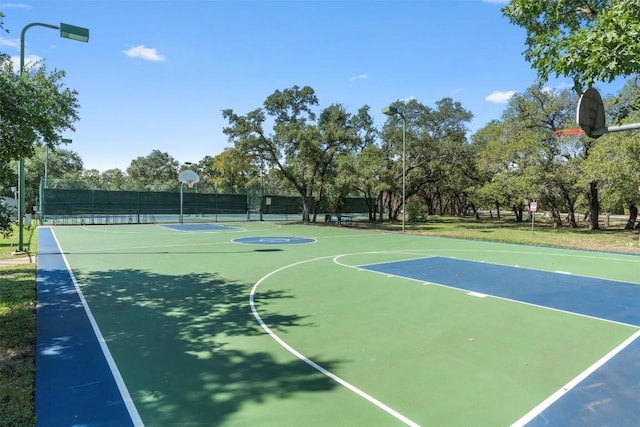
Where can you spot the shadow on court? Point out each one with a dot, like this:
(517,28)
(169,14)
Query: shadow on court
(187,346)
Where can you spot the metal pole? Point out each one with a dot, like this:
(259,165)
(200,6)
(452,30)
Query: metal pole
(71,32)
(404,169)
(21,180)
(390,111)
(181,185)
(618,128)
(44,187)
(261,189)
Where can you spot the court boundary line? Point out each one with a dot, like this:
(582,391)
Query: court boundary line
(538,409)
(115,372)
(465,290)
(569,386)
(310,362)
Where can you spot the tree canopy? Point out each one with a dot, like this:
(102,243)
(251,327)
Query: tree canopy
(587,40)
(35,108)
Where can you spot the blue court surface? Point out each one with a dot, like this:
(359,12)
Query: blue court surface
(76,380)
(274,240)
(612,391)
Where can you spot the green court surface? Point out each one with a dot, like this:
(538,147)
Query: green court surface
(285,328)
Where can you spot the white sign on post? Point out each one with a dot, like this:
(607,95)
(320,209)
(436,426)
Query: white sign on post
(533,207)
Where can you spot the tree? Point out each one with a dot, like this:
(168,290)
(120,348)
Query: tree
(157,171)
(613,164)
(60,163)
(204,170)
(586,40)
(35,108)
(114,179)
(304,149)
(231,170)
(435,137)
(368,173)
(523,147)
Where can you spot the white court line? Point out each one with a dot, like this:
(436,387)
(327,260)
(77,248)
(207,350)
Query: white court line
(528,417)
(122,388)
(467,291)
(571,384)
(310,362)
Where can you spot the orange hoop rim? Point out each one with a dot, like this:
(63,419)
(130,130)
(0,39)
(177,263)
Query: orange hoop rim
(568,132)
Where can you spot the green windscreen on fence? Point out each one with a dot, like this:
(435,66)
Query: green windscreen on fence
(86,206)
(104,202)
(282,205)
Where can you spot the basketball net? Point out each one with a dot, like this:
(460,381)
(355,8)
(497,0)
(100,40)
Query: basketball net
(190,183)
(568,132)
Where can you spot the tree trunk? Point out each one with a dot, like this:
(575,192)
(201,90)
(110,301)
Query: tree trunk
(633,215)
(570,206)
(518,211)
(594,206)
(498,210)
(571,219)
(557,218)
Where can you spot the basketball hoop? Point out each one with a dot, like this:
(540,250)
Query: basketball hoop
(590,115)
(188,177)
(568,132)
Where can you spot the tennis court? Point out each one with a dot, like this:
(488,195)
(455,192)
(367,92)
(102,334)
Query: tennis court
(270,324)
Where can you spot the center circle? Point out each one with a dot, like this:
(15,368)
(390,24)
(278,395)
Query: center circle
(274,240)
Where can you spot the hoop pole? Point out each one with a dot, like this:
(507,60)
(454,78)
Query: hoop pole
(619,128)
(181,185)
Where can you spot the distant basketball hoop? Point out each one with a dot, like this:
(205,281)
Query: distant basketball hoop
(188,177)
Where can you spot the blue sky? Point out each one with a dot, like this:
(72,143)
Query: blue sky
(157,74)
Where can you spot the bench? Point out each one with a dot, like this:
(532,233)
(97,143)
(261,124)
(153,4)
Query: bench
(339,219)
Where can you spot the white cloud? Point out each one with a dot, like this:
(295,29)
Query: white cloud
(13,43)
(363,76)
(143,52)
(29,61)
(499,97)
(558,87)
(14,6)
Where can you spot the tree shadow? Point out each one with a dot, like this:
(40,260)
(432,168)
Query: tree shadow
(188,347)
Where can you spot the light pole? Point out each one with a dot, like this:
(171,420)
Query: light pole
(46,171)
(392,111)
(66,31)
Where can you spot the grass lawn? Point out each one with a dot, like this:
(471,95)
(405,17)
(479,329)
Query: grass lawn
(613,238)
(18,288)
(10,245)
(17,335)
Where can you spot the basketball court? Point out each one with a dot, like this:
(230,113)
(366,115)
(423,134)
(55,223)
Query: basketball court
(280,324)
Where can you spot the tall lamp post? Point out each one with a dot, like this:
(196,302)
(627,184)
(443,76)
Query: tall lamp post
(261,189)
(68,32)
(392,111)
(43,191)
